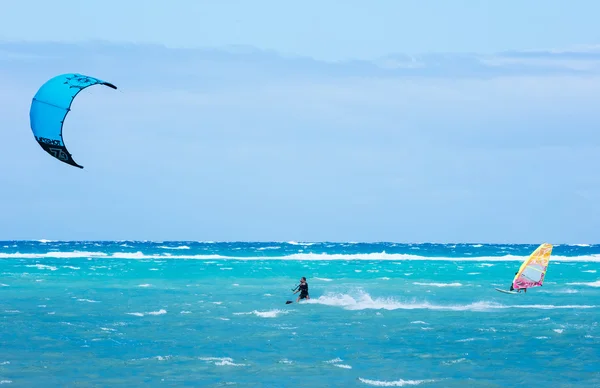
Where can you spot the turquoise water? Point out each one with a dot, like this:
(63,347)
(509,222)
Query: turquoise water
(214,314)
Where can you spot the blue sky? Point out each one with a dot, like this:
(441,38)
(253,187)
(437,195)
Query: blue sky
(404,121)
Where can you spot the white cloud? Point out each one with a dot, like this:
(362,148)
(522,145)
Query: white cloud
(212,141)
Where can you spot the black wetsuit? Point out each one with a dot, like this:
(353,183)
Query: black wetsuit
(303,290)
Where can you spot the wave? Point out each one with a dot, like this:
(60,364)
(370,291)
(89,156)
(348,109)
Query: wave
(174,248)
(455,284)
(221,361)
(397,383)
(382,256)
(589,284)
(159,312)
(364,301)
(265,314)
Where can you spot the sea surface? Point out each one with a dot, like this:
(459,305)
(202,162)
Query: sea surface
(203,314)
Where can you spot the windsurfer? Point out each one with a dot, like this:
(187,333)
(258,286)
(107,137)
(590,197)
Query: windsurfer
(518,290)
(511,284)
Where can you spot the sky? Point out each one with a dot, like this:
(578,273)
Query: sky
(407,121)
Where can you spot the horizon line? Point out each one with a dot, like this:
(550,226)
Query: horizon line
(293,242)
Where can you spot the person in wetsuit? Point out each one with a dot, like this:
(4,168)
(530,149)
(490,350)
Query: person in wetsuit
(519,290)
(303,289)
(511,285)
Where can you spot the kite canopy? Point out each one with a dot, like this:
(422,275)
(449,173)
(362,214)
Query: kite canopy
(532,271)
(50,107)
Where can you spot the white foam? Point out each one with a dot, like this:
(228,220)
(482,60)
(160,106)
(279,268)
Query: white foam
(451,362)
(364,301)
(88,300)
(559,331)
(470,339)
(145,285)
(397,383)
(381,256)
(265,314)
(344,366)
(70,267)
(589,284)
(439,284)
(42,266)
(324,279)
(590,271)
(174,248)
(221,361)
(159,312)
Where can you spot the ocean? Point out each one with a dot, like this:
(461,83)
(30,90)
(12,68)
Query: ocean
(209,314)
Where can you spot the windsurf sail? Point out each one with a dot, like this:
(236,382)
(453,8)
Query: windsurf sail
(533,270)
(50,107)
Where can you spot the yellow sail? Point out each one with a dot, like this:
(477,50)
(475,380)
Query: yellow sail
(533,270)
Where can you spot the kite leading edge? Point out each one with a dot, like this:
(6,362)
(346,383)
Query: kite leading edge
(50,107)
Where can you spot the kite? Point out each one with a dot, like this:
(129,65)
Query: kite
(50,107)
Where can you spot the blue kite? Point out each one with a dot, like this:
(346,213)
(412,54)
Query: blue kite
(50,107)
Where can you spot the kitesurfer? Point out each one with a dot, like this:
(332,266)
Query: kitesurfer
(303,289)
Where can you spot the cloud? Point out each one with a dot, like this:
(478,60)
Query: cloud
(171,65)
(242,143)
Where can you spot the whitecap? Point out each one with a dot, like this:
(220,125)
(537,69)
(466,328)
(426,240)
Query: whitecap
(397,383)
(42,266)
(363,301)
(588,284)
(265,314)
(455,284)
(221,361)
